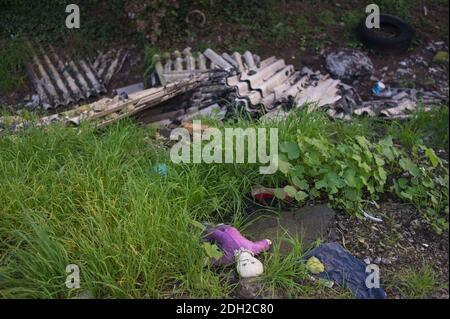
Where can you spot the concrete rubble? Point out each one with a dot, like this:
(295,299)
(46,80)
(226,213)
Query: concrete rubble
(396,103)
(348,64)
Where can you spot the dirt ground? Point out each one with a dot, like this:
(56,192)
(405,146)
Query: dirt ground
(400,242)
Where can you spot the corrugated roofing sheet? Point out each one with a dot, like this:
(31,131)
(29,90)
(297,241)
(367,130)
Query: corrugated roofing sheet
(60,80)
(275,83)
(182,65)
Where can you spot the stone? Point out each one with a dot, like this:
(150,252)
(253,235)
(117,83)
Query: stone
(403,72)
(386,261)
(253,288)
(306,71)
(307,224)
(348,64)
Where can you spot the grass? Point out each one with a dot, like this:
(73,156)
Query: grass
(82,197)
(93,200)
(418,283)
(284,273)
(430,128)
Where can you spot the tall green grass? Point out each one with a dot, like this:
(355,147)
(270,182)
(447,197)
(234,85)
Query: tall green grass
(78,197)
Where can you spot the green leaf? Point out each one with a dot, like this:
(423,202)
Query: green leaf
(402,182)
(357,158)
(409,166)
(299,170)
(212,251)
(321,184)
(370,188)
(197,224)
(350,178)
(428,182)
(443,181)
(382,173)
(434,159)
(279,193)
(363,179)
(334,180)
(365,167)
(406,195)
(351,194)
(290,190)
(314,193)
(291,149)
(300,183)
(283,166)
(387,141)
(362,141)
(301,196)
(378,160)
(433,199)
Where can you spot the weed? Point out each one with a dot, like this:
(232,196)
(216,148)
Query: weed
(348,168)
(418,284)
(401,8)
(283,273)
(429,128)
(351,18)
(326,18)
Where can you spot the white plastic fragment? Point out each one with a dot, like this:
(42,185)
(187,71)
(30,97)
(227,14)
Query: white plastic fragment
(374,219)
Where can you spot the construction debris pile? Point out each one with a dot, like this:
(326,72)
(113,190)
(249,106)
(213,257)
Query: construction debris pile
(184,86)
(394,103)
(108,110)
(258,86)
(350,66)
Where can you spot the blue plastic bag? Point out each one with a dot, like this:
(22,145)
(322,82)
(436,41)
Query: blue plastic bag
(345,270)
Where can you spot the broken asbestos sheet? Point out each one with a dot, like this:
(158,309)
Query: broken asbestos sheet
(398,103)
(178,66)
(277,84)
(246,80)
(107,110)
(60,80)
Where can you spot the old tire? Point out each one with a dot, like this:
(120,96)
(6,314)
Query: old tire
(400,42)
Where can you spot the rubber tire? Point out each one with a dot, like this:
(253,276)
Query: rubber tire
(397,44)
